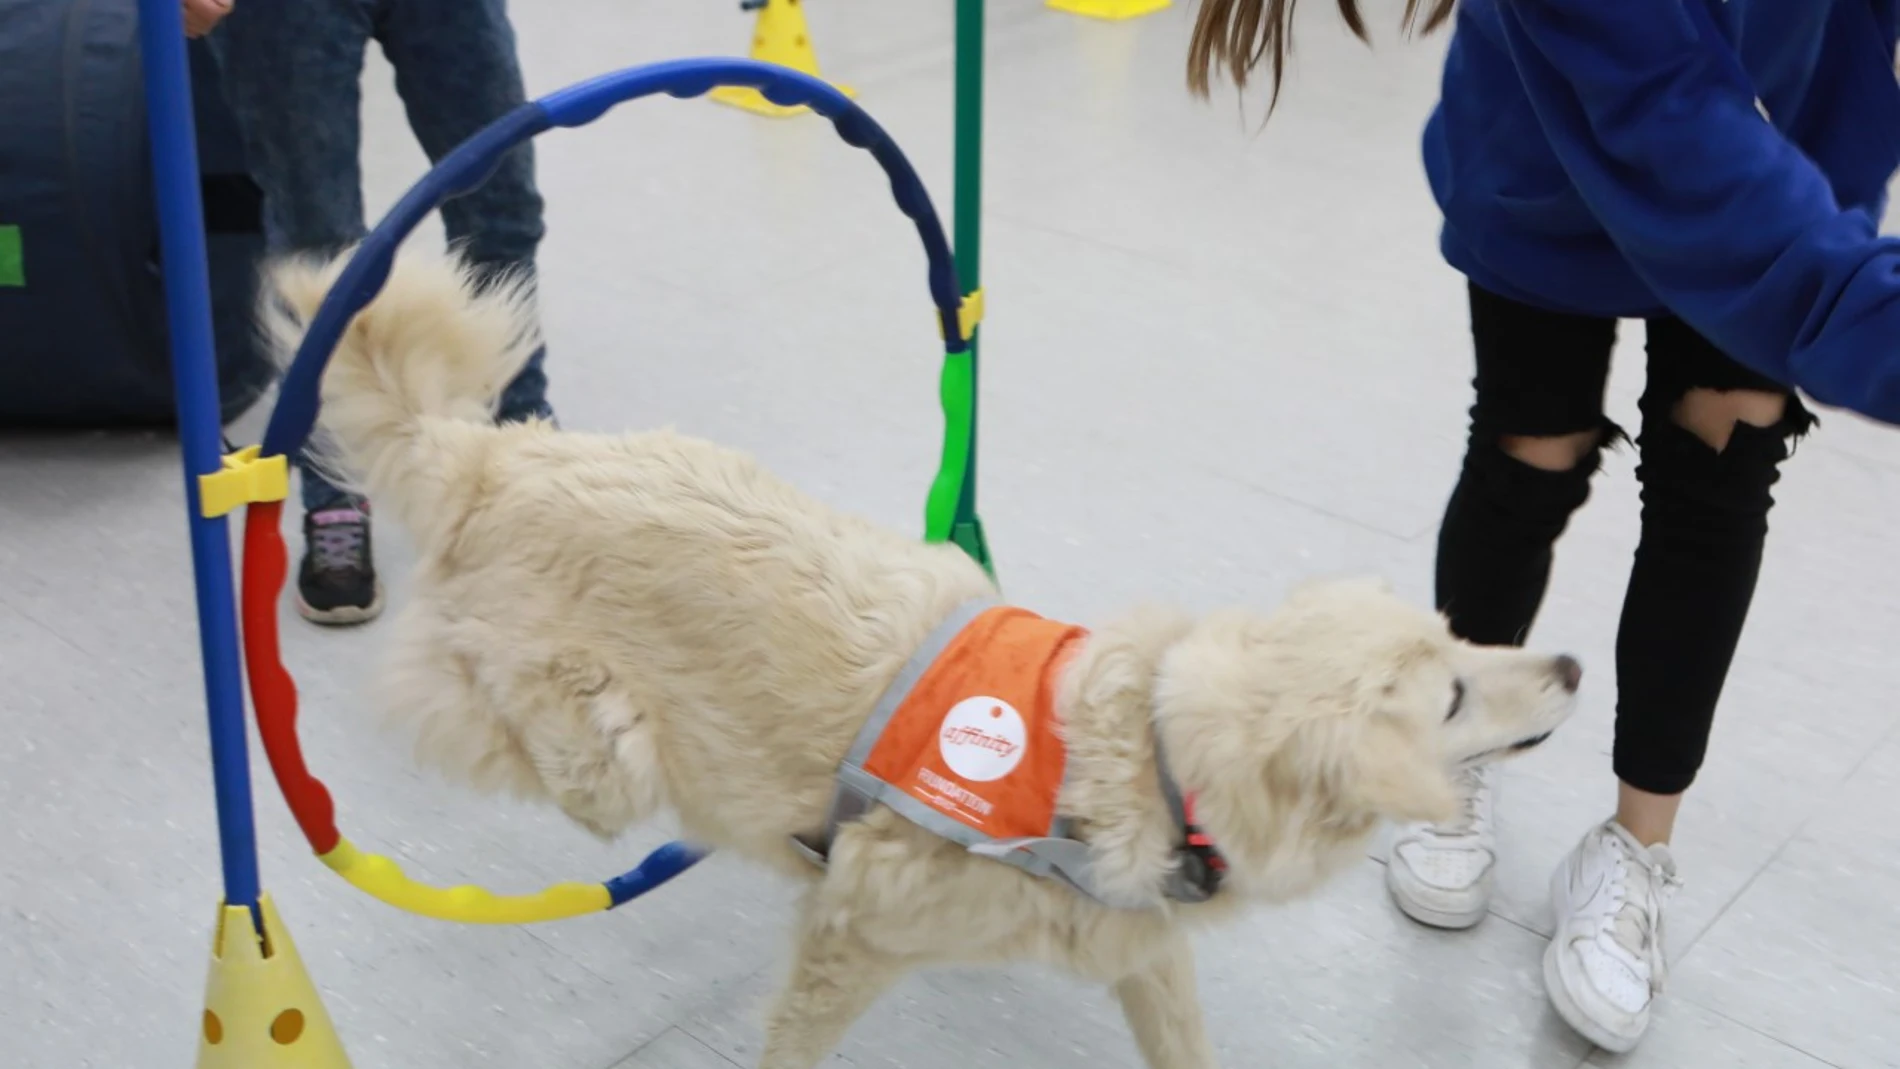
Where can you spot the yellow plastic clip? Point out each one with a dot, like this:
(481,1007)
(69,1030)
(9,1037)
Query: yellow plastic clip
(244,478)
(969,314)
(383,879)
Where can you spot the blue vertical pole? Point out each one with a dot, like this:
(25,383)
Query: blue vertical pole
(181,235)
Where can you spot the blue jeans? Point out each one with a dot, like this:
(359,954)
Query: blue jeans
(293,72)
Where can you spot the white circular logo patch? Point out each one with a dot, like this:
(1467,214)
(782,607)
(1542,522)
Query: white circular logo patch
(982,739)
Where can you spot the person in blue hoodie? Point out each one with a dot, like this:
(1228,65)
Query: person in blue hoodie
(1716,168)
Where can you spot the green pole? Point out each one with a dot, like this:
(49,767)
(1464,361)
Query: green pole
(969,142)
(967,528)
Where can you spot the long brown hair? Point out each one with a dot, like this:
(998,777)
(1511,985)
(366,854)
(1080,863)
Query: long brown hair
(1235,35)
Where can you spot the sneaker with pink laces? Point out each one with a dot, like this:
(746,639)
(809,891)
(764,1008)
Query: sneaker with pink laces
(336,583)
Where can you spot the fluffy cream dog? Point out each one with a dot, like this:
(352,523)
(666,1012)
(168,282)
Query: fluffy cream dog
(630,624)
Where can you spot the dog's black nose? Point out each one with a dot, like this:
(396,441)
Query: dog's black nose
(1570,671)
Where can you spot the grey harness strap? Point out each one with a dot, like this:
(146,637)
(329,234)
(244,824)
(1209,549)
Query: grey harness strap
(1198,869)
(1057,856)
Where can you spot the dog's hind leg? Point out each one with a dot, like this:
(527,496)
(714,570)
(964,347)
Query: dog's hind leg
(835,978)
(1164,1010)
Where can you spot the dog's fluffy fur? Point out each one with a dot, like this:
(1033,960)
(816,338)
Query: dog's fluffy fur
(628,624)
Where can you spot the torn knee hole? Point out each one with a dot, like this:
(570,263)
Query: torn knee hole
(1555,453)
(1716,416)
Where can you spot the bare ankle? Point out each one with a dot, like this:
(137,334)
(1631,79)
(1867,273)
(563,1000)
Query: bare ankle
(1650,818)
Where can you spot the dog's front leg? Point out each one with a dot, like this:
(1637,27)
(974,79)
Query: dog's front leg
(1164,1009)
(835,978)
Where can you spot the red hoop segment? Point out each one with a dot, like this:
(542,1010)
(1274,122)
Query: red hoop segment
(273,692)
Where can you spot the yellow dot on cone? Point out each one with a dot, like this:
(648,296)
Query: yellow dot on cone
(214,1029)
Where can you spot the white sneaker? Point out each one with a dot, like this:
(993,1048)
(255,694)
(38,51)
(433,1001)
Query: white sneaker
(1606,964)
(1440,874)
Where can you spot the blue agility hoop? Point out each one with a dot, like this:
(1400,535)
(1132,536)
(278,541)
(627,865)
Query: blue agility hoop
(475,159)
(363,277)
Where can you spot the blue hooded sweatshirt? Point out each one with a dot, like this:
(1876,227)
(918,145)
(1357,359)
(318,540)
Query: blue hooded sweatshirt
(1722,160)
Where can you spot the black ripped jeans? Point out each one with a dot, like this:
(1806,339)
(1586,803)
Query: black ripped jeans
(1705,517)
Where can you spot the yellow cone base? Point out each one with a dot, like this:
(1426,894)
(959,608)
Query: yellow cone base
(1112,10)
(781,37)
(749,99)
(261,1010)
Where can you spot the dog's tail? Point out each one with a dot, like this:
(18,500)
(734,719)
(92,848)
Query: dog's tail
(415,373)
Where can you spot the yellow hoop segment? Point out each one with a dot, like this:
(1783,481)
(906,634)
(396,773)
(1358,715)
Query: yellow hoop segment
(381,878)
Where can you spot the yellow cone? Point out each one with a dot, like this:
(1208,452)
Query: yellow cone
(781,38)
(1113,10)
(261,1010)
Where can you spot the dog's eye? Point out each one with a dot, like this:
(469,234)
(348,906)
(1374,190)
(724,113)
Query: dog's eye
(1457,698)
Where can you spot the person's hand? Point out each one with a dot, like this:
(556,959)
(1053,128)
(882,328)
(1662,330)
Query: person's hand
(201,16)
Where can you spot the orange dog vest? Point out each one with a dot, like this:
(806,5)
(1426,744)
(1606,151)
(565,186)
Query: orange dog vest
(966,744)
(975,739)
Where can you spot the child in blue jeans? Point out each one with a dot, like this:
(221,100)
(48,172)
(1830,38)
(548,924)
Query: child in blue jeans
(293,70)
(1717,168)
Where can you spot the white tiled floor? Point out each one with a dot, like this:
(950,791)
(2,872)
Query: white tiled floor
(1218,360)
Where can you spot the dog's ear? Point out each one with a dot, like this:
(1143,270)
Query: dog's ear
(1401,779)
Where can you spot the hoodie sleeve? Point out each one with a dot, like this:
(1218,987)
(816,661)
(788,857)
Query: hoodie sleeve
(1730,224)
